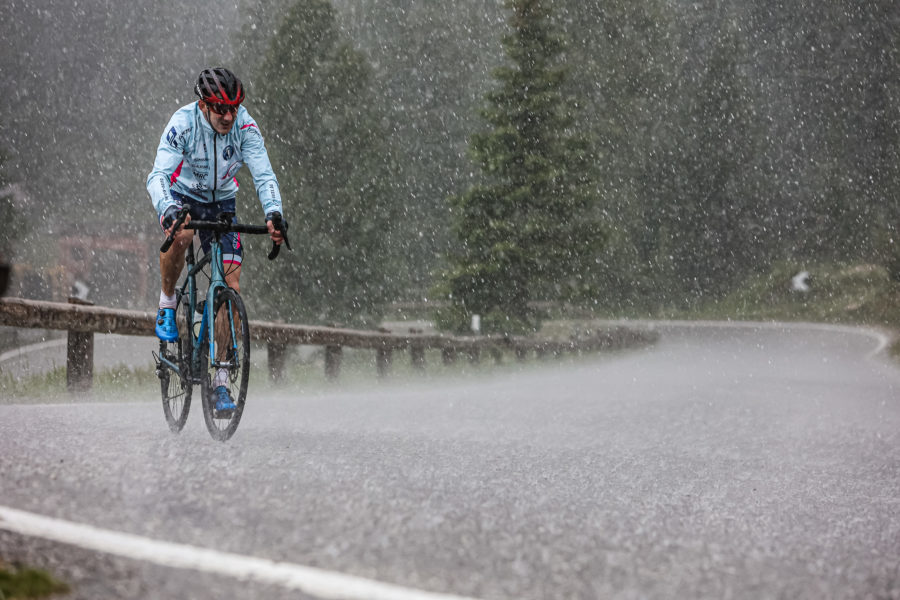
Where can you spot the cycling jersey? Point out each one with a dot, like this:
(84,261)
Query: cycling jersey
(195,161)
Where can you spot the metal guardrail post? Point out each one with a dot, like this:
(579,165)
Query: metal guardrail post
(79,357)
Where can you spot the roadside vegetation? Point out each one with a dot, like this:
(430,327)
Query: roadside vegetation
(837,293)
(22,583)
(841,293)
(304,374)
(109,384)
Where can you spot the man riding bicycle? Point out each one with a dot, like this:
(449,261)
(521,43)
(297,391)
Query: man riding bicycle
(202,148)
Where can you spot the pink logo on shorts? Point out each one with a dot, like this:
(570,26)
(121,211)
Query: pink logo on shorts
(237,241)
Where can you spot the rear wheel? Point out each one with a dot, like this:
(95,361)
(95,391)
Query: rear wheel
(176,385)
(228,366)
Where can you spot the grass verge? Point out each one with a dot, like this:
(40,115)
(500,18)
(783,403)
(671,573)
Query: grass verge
(24,583)
(305,373)
(849,294)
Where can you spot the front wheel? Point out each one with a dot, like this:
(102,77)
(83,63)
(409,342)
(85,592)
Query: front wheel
(227,366)
(176,385)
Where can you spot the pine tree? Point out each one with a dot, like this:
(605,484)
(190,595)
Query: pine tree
(528,231)
(15,224)
(323,132)
(711,207)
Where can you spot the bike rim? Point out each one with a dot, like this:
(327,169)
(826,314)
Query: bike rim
(236,361)
(175,393)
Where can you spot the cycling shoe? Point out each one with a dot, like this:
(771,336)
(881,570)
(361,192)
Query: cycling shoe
(166,329)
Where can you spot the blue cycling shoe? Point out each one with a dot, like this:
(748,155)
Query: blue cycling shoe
(166,329)
(224,404)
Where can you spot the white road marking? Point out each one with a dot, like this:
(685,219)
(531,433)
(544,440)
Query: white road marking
(310,580)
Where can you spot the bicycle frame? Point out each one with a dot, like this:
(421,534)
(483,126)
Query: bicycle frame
(216,281)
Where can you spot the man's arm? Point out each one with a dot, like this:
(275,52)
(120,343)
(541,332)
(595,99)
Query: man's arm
(169,157)
(257,159)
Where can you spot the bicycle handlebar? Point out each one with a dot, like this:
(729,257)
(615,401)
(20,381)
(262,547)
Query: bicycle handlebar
(227,227)
(281,225)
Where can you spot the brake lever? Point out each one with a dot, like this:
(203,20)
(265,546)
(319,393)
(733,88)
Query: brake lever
(280,225)
(182,215)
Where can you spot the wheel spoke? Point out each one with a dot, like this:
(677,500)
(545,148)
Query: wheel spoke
(176,390)
(235,362)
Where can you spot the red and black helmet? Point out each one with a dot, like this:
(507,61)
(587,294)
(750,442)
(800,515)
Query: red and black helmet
(219,86)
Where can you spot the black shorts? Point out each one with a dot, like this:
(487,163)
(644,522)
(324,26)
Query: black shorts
(232,252)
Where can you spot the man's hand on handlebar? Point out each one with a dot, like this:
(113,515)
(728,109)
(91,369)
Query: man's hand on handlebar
(275,234)
(170,217)
(277,227)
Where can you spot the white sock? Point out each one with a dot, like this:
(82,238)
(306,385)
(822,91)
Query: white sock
(221,378)
(167,301)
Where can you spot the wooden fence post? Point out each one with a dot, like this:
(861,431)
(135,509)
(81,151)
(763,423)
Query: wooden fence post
(496,354)
(333,355)
(79,357)
(383,359)
(448,355)
(417,356)
(475,356)
(276,353)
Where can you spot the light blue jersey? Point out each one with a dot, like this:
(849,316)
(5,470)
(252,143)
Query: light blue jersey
(195,161)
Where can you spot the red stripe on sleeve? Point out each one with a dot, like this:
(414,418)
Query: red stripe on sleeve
(174,177)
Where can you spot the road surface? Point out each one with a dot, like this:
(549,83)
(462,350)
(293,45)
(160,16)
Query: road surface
(724,462)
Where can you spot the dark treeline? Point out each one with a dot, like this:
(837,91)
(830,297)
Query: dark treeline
(726,135)
(736,135)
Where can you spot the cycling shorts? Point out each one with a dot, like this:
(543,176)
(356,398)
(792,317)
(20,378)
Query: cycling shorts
(232,252)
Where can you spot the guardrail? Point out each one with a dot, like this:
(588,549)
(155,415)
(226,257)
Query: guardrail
(82,320)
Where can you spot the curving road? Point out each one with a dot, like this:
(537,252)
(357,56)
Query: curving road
(725,462)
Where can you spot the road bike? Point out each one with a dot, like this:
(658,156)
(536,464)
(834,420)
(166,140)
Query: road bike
(213,333)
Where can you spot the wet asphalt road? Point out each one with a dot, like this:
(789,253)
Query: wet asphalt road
(721,463)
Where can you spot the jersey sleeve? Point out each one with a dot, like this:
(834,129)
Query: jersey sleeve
(257,159)
(169,157)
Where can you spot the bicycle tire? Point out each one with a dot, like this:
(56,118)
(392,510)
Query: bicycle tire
(176,389)
(222,427)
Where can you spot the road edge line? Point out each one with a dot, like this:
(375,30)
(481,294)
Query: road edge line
(311,580)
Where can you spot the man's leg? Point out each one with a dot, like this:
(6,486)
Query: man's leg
(223,340)
(233,277)
(171,262)
(170,265)
(223,329)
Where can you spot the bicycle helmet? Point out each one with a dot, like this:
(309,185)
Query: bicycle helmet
(218,85)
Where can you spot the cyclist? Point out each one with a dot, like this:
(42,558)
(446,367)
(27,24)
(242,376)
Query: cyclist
(202,148)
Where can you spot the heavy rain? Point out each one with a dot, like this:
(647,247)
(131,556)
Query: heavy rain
(589,299)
